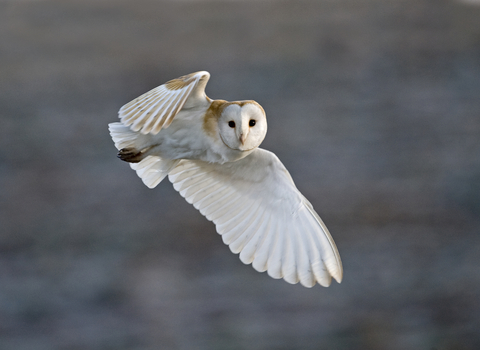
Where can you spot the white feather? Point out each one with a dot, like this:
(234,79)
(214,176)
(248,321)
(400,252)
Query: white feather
(267,221)
(155,109)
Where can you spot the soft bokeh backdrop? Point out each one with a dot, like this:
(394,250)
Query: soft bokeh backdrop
(374,107)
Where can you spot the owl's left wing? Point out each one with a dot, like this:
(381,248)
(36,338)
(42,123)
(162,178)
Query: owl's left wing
(261,215)
(156,108)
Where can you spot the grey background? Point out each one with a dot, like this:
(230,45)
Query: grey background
(373,106)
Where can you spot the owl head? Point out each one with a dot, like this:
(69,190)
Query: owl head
(242,125)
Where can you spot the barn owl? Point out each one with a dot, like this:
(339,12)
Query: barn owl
(210,151)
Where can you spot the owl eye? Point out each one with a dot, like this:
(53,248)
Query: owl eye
(231,124)
(252,122)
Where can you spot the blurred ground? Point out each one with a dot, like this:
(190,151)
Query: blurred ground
(373,106)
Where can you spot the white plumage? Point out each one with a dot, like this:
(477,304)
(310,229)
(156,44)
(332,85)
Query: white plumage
(209,150)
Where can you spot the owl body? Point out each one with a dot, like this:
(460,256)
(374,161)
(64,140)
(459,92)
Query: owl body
(209,149)
(183,139)
(195,134)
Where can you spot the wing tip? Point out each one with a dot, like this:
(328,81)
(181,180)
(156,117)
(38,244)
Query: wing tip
(338,276)
(202,74)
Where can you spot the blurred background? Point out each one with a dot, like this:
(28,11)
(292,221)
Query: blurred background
(373,106)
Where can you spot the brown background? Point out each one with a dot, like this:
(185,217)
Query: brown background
(374,107)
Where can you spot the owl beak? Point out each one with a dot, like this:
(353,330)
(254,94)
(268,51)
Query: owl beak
(242,138)
(243,135)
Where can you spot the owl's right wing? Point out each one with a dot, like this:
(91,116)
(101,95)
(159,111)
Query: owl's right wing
(156,108)
(261,215)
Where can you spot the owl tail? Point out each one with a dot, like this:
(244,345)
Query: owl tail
(151,169)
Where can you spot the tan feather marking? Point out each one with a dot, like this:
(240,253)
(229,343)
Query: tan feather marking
(213,113)
(181,101)
(243,103)
(180,83)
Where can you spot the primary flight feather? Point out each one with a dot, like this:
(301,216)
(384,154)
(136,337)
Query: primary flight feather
(209,150)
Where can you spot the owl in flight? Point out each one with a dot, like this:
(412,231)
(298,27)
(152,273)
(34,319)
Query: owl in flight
(209,150)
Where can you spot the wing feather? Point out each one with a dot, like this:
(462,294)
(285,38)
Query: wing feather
(194,179)
(230,226)
(132,105)
(247,230)
(275,259)
(305,274)
(261,215)
(157,108)
(260,262)
(151,116)
(214,203)
(250,245)
(166,109)
(194,193)
(212,191)
(221,214)
(181,101)
(289,266)
(132,112)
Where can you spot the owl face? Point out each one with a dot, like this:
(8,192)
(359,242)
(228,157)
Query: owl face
(243,125)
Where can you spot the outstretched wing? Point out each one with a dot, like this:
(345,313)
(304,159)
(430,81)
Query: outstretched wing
(261,215)
(156,108)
